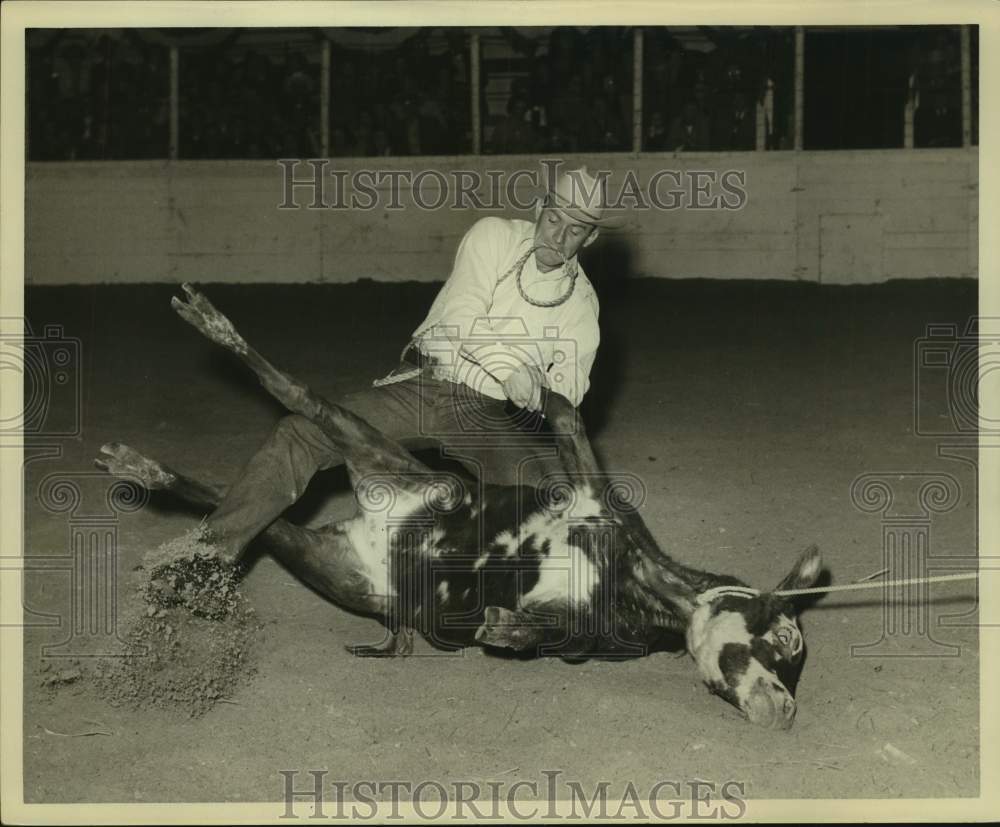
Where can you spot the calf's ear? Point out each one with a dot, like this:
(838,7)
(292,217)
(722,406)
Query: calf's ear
(805,572)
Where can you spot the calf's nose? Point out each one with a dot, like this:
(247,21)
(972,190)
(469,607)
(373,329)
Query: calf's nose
(770,707)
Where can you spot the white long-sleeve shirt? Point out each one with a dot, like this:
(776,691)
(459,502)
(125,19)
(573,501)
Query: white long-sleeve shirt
(500,329)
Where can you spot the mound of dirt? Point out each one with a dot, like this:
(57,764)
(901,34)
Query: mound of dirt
(190,641)
(191,571)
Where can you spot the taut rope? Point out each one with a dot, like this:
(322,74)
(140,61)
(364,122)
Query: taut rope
(745,591)
(877,584)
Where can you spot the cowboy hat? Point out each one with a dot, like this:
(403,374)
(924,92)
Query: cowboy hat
(582,197)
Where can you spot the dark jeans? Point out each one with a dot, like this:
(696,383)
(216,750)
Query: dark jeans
(497,443)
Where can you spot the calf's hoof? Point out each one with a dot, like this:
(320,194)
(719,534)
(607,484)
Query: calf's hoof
(399,644)
(506,630)
(120,460)
(201,313)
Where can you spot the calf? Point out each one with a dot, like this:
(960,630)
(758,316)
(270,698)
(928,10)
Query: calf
(558,569)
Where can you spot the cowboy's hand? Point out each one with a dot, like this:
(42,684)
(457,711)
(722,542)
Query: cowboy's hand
(524,387)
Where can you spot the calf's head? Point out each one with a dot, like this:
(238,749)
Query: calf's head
(748,645)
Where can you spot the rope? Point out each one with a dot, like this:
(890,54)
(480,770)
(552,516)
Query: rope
(393,377)
(727,591)
(747,592)
(909,581)
(572,271)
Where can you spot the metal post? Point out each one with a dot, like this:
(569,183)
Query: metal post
(474,66)
(324,101)
(637,59)
(966,87)
(175,108)
(765,116)
(800,76)
(910,111)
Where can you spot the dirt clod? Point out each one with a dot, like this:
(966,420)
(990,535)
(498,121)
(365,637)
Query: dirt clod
(63,677)
(190,643)
(192,571)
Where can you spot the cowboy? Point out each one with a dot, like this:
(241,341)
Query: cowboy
(516,316)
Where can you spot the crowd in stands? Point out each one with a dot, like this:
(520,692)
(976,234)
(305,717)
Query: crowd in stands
(249,105)
(575,97)
(95,95)
(937,120)
(578,96)
(403,102)
(97,98)
(697,102)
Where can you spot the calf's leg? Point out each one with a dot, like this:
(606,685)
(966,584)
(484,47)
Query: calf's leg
(323,558)
(362,445)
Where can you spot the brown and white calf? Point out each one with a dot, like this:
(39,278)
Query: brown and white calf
(558,570)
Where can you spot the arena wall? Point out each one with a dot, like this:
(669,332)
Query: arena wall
(832,217)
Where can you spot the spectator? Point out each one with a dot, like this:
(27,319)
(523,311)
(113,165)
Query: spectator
(613,109)
(435,112)
(656,132)
(700,95)
(736,125)
(514,135)
(301,99)
(340,143)
(411,132)
(563,54)
(689,131)
(938,121)
(569,106)
(539,94)
(344,90)
(603,131)
(363,144)
(939,64)
(380,142)
(558,140)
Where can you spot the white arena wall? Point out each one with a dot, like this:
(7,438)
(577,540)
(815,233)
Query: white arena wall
(832,217)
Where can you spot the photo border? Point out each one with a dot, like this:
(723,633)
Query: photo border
(19,15)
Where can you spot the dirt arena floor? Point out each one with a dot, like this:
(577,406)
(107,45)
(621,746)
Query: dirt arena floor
(747,408)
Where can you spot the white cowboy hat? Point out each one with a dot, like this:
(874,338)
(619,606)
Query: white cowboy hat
(582,197)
